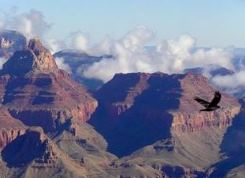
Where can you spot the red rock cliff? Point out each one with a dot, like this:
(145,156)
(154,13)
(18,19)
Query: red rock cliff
(10,128)
(138,109)
(48,96)
(188,118)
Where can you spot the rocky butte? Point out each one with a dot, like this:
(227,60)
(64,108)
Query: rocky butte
(34,91)
(153,118)
(42,120)
(156,106)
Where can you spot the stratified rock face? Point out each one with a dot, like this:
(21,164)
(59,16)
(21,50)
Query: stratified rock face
(6,136)
(188,119)
(138,109)
(35,59)
(25,148)
(34,154)
(45,61)
(36,92)
(10,128)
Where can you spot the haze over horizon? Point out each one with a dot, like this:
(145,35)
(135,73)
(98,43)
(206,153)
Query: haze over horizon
(212,23)
(177,29)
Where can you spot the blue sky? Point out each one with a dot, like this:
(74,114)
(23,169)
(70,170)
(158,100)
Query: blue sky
(212,22)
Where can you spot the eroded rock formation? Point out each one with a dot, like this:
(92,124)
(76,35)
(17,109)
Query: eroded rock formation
(156,106)
(10,128)
(48,95)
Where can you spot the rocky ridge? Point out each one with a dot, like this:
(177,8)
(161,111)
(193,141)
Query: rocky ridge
(157,102)
(10,128)
(38,136)
(48,95)
(163,121)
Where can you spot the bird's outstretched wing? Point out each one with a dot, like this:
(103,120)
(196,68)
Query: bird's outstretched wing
(202,101)
(216,99)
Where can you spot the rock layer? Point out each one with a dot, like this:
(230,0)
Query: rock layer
(10,128)
(48,95)
(156,106)
(188,119)
(25,148)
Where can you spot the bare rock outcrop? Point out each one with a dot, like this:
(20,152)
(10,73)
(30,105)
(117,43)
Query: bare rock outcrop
(48,95)
(10,128)
(156,106)
(6,136)
(188,118)
(31,146)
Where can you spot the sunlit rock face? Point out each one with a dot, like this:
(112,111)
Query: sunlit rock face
(36,92)
(138,109)
(188,118)
(34,59)
(10,128)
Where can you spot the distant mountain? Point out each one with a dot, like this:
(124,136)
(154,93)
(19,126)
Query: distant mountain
(79,62)
(11,41)
(239,51)
(212,70)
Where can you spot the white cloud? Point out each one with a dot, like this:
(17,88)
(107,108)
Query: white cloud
(129,52)
(129,55)
(170,56)
(179,54)
(79,41)
(137,38)
(2,61)
(54,45)
(2,24)
(62,65)
(230,82)
(31,24)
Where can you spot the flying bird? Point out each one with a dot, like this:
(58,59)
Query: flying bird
(210,106)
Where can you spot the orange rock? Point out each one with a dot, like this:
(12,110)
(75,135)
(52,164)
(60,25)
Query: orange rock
(36,92)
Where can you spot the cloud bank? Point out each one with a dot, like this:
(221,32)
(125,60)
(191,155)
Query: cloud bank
(78,41)
(62,65)
(231,81)
(31,24)
(130,54)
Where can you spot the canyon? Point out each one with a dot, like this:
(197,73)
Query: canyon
(135,125)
